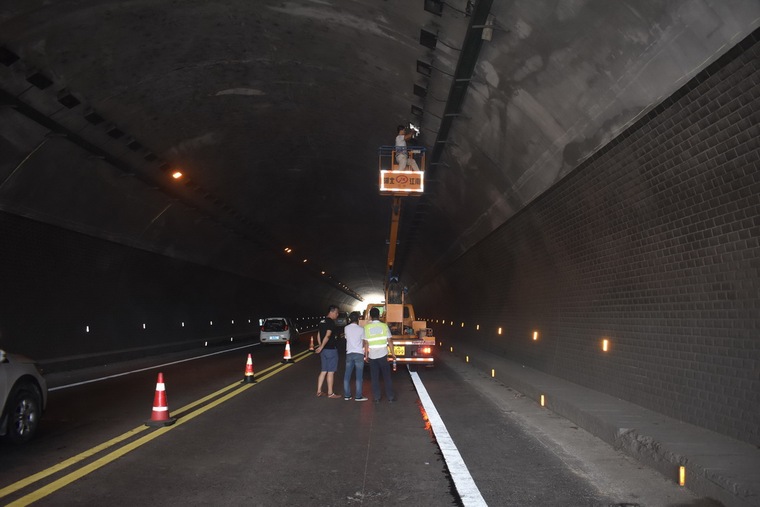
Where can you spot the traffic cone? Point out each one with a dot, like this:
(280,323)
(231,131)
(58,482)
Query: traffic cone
(248,378)
(286,357)
(311,344)
(160,415)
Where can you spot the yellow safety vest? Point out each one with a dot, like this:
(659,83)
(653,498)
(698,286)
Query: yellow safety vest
(376,334)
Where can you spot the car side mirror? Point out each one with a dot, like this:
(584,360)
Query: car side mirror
(3,356)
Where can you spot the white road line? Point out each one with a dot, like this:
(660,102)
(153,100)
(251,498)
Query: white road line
(468,491)
(90,381)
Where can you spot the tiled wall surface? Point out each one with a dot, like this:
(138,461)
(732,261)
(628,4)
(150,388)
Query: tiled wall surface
(654,244)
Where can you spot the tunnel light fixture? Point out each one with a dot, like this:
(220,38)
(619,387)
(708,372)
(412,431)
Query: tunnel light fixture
(543,400)
(605,345)
(466,359)
(451,349)
(87,329)
(419,91)
(211,323)
(535,336)
(434,6)
(424,68)
(682,476)
(143,325)
(493,373)
(428,39)
(177,175)
(233,321)
(183,324)
(67,99)
(477,327)
(499,330)
(39,80)
(452,323)
(8,57)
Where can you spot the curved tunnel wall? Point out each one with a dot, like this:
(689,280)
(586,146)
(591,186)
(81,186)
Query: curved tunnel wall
(71,300)
(652,243)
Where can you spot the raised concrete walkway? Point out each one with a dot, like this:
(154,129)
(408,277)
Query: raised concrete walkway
(717,466)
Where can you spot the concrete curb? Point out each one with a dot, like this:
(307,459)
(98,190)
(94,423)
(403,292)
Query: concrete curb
(717,466)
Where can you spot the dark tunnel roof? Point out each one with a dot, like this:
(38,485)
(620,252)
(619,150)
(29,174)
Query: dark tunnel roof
(274,111)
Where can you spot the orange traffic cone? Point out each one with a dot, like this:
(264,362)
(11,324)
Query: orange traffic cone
(286,357)
(311,344)
(249,378)
(160,415)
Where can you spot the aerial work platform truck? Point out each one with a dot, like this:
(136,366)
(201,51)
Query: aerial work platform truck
(413,341)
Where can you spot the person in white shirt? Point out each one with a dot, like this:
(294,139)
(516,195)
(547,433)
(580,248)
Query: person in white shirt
(357,352)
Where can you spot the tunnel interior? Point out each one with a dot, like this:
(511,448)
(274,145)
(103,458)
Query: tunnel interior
(592,175)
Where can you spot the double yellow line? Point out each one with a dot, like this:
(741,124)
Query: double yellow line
(218,398)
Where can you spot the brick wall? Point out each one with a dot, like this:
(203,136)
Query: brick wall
(653,243)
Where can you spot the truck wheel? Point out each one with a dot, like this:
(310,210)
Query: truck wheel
(23,412)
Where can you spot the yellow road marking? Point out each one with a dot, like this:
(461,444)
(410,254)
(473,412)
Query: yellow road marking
(73,476)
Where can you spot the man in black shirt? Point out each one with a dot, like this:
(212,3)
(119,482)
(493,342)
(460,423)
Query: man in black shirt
(327,341)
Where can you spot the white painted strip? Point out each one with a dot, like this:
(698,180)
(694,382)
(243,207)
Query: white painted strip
(463,481)
(150,367)
(160,409)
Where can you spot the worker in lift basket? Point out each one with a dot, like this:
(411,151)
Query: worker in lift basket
(402,156)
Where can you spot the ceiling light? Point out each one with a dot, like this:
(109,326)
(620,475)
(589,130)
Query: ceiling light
(428,39)
(7,57)
(424,68)
(434,6)
(67,99)
(177,175)
(39,80)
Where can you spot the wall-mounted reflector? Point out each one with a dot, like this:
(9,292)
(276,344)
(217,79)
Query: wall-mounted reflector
(499,330)
(493,373)
(535,335)
(462,324)
(682,476)
(87,329)
(477,328)
(466,359)
(605,345)
(543,400)
(451,349)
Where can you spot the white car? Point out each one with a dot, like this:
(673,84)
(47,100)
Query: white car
(277,330)
(23,397)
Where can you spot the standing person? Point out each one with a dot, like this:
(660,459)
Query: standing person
(356,353)
(402,156)
(379,341)
(327,340)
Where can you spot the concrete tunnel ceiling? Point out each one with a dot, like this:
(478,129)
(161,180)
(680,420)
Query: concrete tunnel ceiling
(274,110)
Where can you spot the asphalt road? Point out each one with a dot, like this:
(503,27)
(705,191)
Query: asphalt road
(276,443)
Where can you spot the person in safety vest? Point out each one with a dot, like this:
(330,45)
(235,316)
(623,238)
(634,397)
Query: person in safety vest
(378,338)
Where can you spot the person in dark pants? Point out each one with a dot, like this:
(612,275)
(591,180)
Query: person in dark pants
(356,354)
(327,340)
(378,338)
